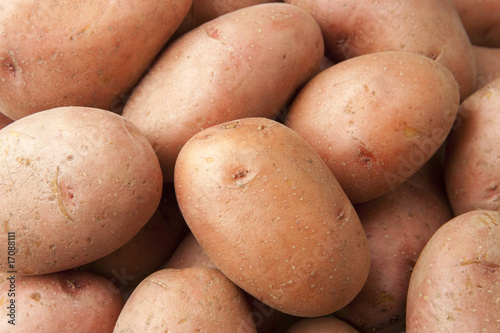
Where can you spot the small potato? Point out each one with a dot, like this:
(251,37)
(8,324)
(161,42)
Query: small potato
(481,20)
(196,299)
(427,27)
(472,165)
(488,65)
(272,217)
(376,119)
(246,63)
(77,183)
(455,285)
(79,53)
(321,325)
(78,302)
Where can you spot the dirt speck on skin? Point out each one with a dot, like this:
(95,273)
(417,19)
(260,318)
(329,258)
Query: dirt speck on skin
(36,297)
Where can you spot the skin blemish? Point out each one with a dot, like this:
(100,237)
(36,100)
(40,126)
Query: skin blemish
(10,68)
(229,125)
(36,297)
(410,132)
(71,287)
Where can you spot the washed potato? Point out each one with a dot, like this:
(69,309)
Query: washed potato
(246,63)
(455,285)
(272,217)
(321,325)
(68,301)
(473,153)
(77,183)
(488,65)
(79,53)
(376,119)
(427,27)
(196,299)
(481,20)
(398,225)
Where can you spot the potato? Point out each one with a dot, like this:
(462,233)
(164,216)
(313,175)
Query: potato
(427,27)
(245,63)
(481,20)
(4,120)
(376,119)
(455,284)
(77,183)
(321,325)
(398,225)
(60,302)
(196,299)
(473,153)
(271,216)
(52,57)
(488,65)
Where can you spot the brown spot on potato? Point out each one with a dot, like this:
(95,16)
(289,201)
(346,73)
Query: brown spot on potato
(365,156)
(36,297)
(410,132)
(71,287)
(10,68)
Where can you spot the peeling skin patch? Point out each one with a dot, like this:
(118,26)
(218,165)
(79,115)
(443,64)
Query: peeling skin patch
(56,190)
(71,287)
(10,68)
(161,284)
(410,132)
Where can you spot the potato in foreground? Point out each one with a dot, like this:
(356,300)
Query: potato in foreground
(455,285)
(77,183)
(272,217)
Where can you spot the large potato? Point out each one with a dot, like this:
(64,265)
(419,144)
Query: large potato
(272,217)
(67,301)
(85,53)
(77,183)
(481,20)
(427,27)
(455,285)
(473,153)
(245,63)
(376,119)
(196,299)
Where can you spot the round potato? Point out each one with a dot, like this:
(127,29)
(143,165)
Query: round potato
(473,153)
(196,299)
(376,119)
(77,183)
(246,63)
(69,301)
(272,217)
(455,285)
(481,20)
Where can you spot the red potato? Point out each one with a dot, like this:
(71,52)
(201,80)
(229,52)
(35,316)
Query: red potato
(272,217)
(426,27)
(196,299)
(473,152)
(321,325)
(455,285)
(481,20)
(376,119)
(246,63)
(488,65)
(78,302)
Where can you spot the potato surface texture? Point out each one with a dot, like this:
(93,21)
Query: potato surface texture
(77,183)
(481,20)
(376,119)
(196,299)
(272,217)
(455,285)
(79,53)
(246,63)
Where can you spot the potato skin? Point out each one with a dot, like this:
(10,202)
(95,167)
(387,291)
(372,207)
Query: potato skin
(77,183)
(488,65)
(246,63)
(427,27)
(321,325)
(455,285)
(481,20)
(473,152)
(196,299)
(271,216)
(66,301)
(51,57)
(391,111)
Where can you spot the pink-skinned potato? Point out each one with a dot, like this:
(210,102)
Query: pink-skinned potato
(272,217)
(77,183)
(79,53)
(455,285)
(488,65)
(481,20)
(376,119)
(68,301)
(246,63)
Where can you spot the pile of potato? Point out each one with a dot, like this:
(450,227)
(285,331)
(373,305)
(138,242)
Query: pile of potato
(250,166)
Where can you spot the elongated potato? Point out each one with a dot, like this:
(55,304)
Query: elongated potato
(481,20)
(79,53)
(376,119)
(246,63)
(272,217)
(455,285)
(77,183)
(473,153)
(427,27)
(196,299)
